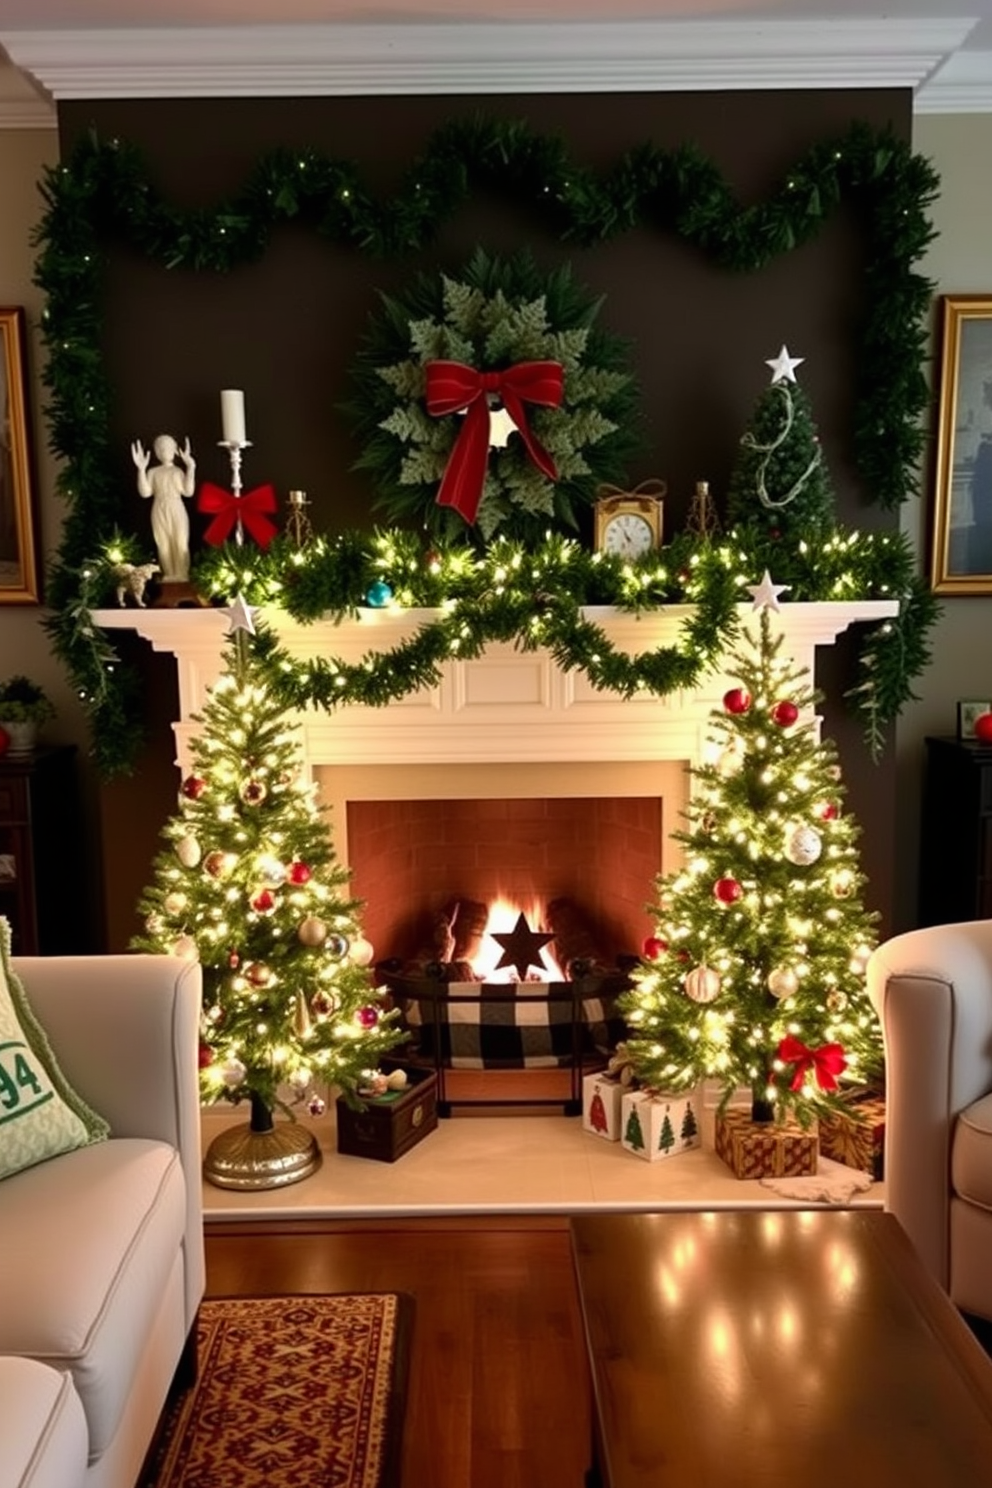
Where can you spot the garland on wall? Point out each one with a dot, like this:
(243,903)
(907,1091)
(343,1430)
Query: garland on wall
(105,190)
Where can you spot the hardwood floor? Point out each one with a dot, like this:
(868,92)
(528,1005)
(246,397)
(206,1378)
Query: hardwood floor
(499,1386)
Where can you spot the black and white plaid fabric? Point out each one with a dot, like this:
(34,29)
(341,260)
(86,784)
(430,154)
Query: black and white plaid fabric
(522,1025)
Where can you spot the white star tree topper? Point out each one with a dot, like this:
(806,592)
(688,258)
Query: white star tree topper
(765,595)
(784,366)
(240,616)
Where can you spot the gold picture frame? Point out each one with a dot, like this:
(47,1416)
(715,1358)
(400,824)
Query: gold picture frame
(19,560)
(961,545)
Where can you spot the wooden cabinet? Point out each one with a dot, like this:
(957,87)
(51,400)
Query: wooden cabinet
(956,832)
(41,891)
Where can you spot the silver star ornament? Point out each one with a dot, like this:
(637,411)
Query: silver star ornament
(784,366)
(765,594)
(240,616)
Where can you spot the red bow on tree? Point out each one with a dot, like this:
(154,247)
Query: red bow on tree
(452,386)
(249,510)
(827,1062)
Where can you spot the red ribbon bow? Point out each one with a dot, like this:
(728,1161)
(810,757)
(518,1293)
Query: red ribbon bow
(248,509)
(827,1062)
(452,386)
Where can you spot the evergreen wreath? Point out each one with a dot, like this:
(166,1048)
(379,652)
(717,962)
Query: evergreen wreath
(493,314)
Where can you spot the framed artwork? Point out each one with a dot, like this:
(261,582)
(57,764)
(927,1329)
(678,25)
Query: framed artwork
(968,711)
(961,548)
(19,559)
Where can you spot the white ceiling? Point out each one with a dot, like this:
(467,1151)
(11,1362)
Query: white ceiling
(93,48)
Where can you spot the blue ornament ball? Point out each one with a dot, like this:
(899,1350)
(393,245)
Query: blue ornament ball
(379,594)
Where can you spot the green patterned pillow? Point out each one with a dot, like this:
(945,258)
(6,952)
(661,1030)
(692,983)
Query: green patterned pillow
(41,1115)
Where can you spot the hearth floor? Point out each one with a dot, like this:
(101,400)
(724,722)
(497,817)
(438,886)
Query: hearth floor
(509,1163)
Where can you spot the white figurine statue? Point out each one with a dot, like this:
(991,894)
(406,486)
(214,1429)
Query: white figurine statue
(166,484)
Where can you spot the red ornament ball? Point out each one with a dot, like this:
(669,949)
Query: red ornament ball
(983,728)
(254,792)
(737,700)
(206,1056)
(299,873)
(193,787)
(368,1017)
(727,891)
(828,811)
(785,714)
(4,740)
(654,947)
(263,902)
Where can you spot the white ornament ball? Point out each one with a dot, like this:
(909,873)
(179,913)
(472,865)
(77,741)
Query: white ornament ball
(782,981)
(185,948)
(859,959)
(188,851)
(729,762)
(233,1073)
(361,951)
(803,845)
(396,1079)
(174,903)
(702,984)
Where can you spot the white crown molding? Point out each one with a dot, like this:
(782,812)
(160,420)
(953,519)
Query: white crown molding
(512,57)
(962,85)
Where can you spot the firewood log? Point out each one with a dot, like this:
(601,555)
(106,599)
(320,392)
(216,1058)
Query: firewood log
(575,944)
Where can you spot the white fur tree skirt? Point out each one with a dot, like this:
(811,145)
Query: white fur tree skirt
(833,1183)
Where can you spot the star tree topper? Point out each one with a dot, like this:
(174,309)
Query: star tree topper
(521,947)
(240,616)
(784,366)
(765,595)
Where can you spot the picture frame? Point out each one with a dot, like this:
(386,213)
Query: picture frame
(961,541)
(968,711)
(19,546)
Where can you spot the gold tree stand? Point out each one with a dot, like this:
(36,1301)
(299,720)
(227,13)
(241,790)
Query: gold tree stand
(261,1154)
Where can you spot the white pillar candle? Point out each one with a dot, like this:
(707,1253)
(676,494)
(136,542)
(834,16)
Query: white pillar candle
(232,415)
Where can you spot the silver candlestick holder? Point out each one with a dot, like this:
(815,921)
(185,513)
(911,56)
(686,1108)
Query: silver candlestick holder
(234,448)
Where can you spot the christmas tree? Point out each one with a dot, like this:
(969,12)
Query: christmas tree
(756,969)
(250,886)
(780,483)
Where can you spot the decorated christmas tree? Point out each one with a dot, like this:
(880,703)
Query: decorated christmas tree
(249,885)
(780,483)
(755,974)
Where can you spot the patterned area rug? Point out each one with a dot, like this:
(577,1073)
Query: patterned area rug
(292,1392)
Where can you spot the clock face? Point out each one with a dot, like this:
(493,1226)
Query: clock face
(628,535)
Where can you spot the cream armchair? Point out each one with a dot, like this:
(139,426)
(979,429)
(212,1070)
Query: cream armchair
(932,989)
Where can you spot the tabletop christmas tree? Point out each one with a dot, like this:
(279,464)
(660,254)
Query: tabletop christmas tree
(249,885)
(754,976)
(780,483)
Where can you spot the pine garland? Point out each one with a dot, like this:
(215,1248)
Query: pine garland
(105,191)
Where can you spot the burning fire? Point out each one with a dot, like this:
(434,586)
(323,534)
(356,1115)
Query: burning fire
(503,915)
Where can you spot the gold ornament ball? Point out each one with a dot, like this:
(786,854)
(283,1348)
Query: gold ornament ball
(702,984)
(219,864)
(322,1004)
(836,1001)
(312,931)
(396,1079)
(842,884)
(258,974)
(782,981)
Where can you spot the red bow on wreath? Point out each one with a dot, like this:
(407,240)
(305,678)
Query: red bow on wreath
(827,1062)
(452,387)
(228,509)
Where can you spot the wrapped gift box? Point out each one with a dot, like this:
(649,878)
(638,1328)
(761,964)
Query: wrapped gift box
(392,1123)
(857,1137)
(751,1149)
(601,1097)
(656,1124)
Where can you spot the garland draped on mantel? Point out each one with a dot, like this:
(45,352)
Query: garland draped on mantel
(105,190)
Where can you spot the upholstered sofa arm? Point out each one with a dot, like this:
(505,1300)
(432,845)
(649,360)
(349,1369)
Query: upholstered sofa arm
(932,990)
(125,1031)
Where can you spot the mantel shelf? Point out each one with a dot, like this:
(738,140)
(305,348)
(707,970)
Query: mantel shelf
(505,706)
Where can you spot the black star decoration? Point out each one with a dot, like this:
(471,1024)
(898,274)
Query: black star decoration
(521,947)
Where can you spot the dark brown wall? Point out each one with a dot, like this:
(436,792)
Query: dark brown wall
(286,328)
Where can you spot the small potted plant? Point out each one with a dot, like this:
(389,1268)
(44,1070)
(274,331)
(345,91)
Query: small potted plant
(23,708)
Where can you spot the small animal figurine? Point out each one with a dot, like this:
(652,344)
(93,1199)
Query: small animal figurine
(132,578)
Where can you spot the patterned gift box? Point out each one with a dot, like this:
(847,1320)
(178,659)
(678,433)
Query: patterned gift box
(656,1124)
(856,1138)
(601,1097)
(751,1149)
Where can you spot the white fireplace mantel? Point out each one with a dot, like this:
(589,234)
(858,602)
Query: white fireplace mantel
(505,706)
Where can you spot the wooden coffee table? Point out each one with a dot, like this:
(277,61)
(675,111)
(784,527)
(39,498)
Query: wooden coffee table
(776,1349)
